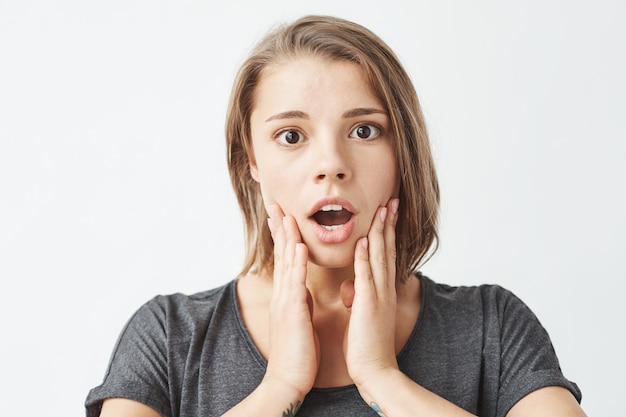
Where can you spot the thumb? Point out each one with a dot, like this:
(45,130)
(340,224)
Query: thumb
(347,292)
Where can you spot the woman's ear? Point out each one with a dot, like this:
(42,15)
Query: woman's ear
(254,171)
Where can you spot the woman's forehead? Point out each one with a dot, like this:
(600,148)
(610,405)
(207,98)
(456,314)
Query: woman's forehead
(308,81)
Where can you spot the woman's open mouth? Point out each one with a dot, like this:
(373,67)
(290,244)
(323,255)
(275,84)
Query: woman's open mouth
(332,216)
(333,221)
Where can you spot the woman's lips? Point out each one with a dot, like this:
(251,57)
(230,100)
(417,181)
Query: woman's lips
(332,234)
(333,220)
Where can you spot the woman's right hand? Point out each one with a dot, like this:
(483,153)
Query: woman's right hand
(294,346)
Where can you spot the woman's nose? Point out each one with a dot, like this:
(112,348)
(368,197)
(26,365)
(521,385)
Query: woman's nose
(339,175)
(332,161)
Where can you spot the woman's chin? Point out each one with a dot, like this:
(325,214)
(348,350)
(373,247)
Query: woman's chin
(331,258)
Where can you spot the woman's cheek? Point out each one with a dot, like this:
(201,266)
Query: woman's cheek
(269,198)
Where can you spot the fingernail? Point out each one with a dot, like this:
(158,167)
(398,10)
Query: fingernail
(270,224)
(383,214)
(364,242)
(395,203)
(271,210)
(285,223)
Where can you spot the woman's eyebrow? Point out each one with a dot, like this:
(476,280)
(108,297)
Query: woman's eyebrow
(291,114)
(362,112)
(297,114)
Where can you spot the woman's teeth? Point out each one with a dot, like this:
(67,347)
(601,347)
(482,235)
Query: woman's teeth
(335,227)
(331,207)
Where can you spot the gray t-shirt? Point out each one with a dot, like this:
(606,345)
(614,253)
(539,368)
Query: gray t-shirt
(479,347)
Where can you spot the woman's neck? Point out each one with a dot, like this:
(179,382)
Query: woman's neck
(324,283)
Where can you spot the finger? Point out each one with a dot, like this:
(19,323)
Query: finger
(377,251)
(363,280)
(275,224)
(296,255)
(275,221)
(292,237)
(301,256)
(275,212)
(347,293)
(390,239)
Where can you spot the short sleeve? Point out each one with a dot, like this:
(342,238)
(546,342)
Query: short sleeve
(528,361)
(138,365)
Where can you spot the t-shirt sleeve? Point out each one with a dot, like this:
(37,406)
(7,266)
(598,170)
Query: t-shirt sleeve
(528,360)
(138,365)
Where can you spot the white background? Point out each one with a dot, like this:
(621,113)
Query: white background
(114,188)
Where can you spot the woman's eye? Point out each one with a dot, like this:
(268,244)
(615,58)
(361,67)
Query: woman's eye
(289,137)
(365,132)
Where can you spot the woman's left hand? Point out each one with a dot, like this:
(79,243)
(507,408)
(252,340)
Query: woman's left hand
(369,344)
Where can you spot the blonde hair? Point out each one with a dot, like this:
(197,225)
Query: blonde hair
(337,39)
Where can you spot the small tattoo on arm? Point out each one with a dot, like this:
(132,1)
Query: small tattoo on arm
(293,409)
(376,408)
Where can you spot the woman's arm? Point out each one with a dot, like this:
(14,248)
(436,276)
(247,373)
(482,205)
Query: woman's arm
(270,398)
(121,407)
(370,351)
(395,395)
(293,359)
(548,401)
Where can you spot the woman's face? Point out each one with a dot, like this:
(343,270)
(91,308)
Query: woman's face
(323,152)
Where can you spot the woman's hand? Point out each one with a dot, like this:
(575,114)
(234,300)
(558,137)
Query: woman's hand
(294,346)
(369,344)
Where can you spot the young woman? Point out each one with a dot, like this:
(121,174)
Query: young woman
(330,160)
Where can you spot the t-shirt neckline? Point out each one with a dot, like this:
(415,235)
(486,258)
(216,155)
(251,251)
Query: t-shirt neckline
(256,353)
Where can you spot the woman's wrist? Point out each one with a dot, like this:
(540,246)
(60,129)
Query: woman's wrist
(373,388)
(282,392)
(273,396)
(393,394)
(377,389)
